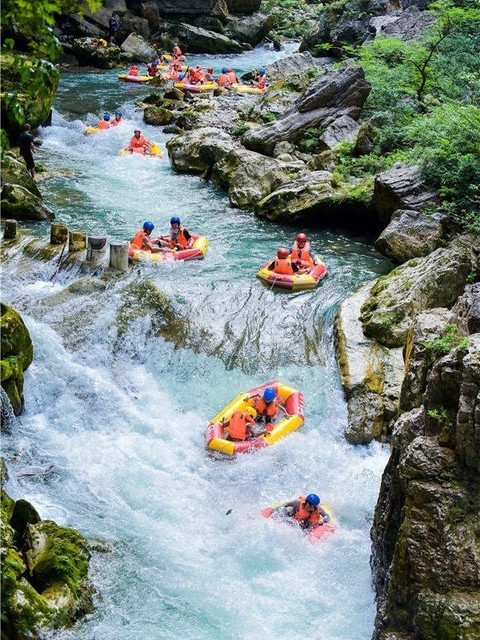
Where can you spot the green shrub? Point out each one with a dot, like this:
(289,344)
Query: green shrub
(448,339)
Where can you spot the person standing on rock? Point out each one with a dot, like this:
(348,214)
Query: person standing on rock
(112,28)
(27,148)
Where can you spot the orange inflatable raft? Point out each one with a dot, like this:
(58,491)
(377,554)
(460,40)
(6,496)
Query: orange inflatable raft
(290,417)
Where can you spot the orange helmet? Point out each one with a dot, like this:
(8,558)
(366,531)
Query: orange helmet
(283,253)
(301,237)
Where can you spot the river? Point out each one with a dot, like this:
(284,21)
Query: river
(116,410)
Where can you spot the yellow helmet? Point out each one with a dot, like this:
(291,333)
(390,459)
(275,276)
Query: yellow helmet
(251,411)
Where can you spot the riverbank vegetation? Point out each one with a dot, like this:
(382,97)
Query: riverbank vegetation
(424,108)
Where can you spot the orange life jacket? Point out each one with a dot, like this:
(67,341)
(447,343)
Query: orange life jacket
(115,122)
(303,515)
(133,71)
(137,241)
(283,266)
(223,80)
(232,77)
(261,81)
(237,426)
(138,142)
(302,256)
(180,239)
(177,52)
(198,75)
(263,408)
(103,124)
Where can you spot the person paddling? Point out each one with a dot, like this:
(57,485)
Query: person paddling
(306,511)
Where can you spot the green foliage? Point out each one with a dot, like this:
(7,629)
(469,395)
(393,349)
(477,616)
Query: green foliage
(29,25)
(293,18)
(448,339)
(267,116)
(438,414)
(240,129)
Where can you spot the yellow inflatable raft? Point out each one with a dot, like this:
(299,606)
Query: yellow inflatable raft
(196,252)
(135,79)
(154,151)
(295,282)
(290,403)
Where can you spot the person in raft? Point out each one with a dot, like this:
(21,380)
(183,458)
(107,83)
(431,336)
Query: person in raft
(117,119)
(105,123)
(266,407)
(301,253)
(282,264)
(260,80)
(133,71)
(138,142)
(223,80)
(152,68)
(177,52)
(241,425)
(179,237)
(143,241)
(307,511)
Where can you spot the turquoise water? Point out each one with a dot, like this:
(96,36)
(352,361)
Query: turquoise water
(121,413)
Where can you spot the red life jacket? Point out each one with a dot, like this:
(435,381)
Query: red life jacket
(115,122)
(133,71)
(237,426)
(152,70)
(263,408)
(303,515)
(103,124)
(180,239)
(302,256)
(283,266)
(137,241)
(138,142)
(223,80)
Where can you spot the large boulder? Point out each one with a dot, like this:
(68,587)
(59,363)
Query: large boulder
(132,24)
(333,95)
(14,171)
(198,40)
(17,355)
(294,70)
(20,204)
(401,187)
(248,176)
(411,234)
(88,52)
(198,150)
(407,24)
(422,283)
(138,49)
(251,29)
(371,375)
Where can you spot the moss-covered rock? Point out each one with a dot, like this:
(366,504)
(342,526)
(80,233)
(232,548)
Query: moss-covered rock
(14,171)
(420,284)
(21,204)
(44,572)
(157,116)
(17,354)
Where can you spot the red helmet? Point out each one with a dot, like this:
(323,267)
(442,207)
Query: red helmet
(283,253)
(301,237)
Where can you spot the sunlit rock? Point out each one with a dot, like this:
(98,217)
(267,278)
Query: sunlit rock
(17,355)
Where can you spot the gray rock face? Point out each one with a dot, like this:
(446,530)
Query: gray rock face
(420,284)
(292,68)
(296,196)
(401,187)
(371,375)
(248,176)
(328,98)
(418,358)
(198,150)
(408,24)
(251,29)
(138,48)
(426,553)
(344,129)
(468,308)
(198,40)
(411,234)
(243,6)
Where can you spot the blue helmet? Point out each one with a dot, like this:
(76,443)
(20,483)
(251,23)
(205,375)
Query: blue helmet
(262,71)
(118,113)
(106,116)
(269,394)
(155,63)
(224,69)
(175,220)
(313,499)
(148,226)
(181,76)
